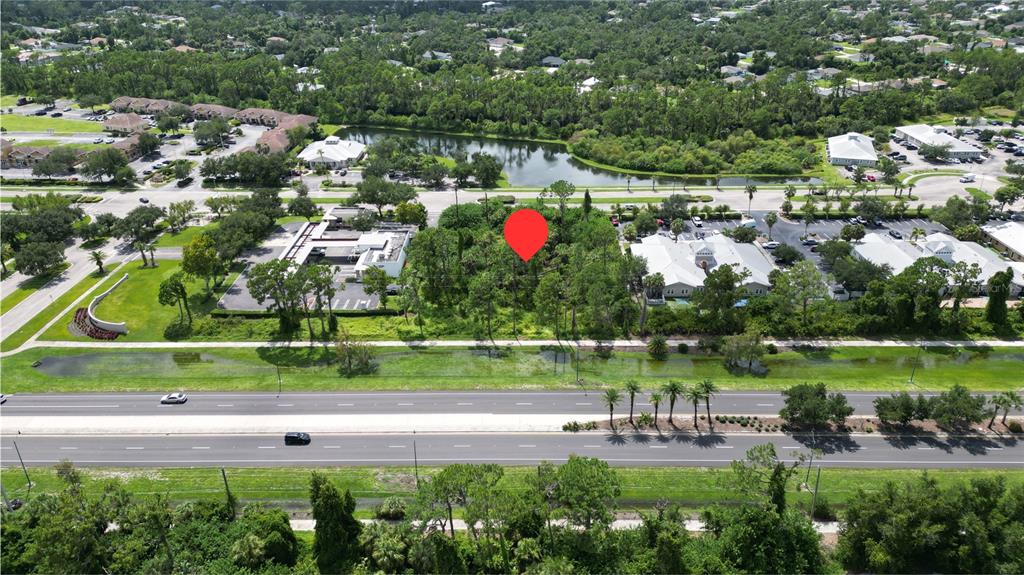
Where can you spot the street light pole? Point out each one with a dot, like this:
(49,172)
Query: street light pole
(415,460)
(23,468)
(278,380)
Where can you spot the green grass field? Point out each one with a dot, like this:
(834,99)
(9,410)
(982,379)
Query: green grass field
(57,144)
(170,239)
(979,194)
(135,302)
(19,123)
(27,288)
(312,369)
(641,487)
(13,340)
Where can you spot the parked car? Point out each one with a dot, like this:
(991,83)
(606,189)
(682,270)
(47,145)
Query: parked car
(896,234)
(910,146)
(297,438)
(97,140)
(56,114)
(810,242)
(40,113)
(108,141)
(870,177)
(900,157)
(185,181)
(144,200)
(66,109)
(3,399)
(175,398)
(770,245)
(697,221)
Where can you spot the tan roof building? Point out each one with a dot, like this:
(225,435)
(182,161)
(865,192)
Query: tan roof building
(125,124)
(209,111)
(130,146)
(272,142)
(185,48)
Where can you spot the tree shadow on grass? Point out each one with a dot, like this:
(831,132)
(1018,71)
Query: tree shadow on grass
(297,356)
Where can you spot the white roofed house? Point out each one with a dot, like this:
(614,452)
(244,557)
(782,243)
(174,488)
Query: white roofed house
(923,134)
(851,149)
(685,264)
(332,153)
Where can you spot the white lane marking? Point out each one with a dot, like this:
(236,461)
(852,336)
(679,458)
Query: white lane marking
(285,404)
(197,447)
(766,405)
(135,448)
(266,447)
(406,404)
(724,446)
(584,403)
(527,446)
(59,406)
(332,447)
(592,446)
(659,447)
(346,404)
(926,448)
(67,448)
(225,405)
(463,403)
(463,445)
(523,403)
(793,447)
(397,446)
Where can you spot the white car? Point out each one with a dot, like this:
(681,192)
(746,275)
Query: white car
(697,221)
(174,398)
(770,245)
(3,399)
(98,141)
(108,141)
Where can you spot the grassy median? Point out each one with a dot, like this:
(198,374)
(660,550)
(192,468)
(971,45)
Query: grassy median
(19,123)
(314,369)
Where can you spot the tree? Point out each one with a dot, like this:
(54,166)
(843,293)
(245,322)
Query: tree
(963,278)
(743,348)
(199,259)
(6,253)
(750,190)
(811,405)
(173,292)
(277,281)
(97,257)
(934,152)
(693,394)
(723,288)
(655,400)
(433,174)
(138,226)
(413,213)
(61,160)
(871,209)
(902,408)
(354,357)
(302,205)
(210,131)
(672,390)
(957,408)
(674,208)
(708,389)
(786,254)
(487,169)
(744,235)
(1006,401)
(800,285)
(586,489)
(657,347)
(147,144)
(998,292)
(762,474)
(38,258)
(770,219)
(180,214)
(336,531)
(611,397)
(678,225)
(645,223)
(376,281)
(168,123)
(379,193)
(852,232)
(105,162)
(761,539)
(632,388)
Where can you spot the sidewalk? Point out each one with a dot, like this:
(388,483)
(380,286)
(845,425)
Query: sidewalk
(692,525)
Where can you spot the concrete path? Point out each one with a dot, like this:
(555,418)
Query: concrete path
(692,525)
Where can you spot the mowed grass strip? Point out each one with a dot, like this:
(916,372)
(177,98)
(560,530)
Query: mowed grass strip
(314,369)
(42,124)
(12,341)
(171,239)
(641,487)
(28,287)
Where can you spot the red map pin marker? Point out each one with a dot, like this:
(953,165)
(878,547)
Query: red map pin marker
(526,231)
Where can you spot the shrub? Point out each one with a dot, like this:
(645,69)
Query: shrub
(177,330)
(823,510)
(645,420)
(391,509)
(683,348)
(572,426)
(772,349)
(1014,426)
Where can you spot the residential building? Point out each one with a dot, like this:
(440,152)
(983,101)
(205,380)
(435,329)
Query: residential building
(730,71)
(130,147)
(210,111)
(146,106)
(25,156)
(1007,237)
(332,153)
(923,134)
(124,124)
(274,119)
(435,55)
(552,61)
(587,85)
(272,142)
(499,44)
(851,149)
(685,264)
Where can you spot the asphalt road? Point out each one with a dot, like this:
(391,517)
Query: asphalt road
(136,404)
(638,449)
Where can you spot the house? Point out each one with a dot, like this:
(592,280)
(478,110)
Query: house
(272,142)
(147,106)
(923,134)
(859,57)
(730,71)
(935,48)
(332,153)
(895,39)
(851,149)
(498,44)
(210,111)
(124,124)
(435,55)
(185,48)
(130,147)
(823,73)
(273,39)
(491,6)
(588,85)
(98,41)
(273,118)
(1008,237)
(25,156)
(552,61)
(734,80)
(685,264)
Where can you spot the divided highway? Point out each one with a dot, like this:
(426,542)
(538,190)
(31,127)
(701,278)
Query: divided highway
(627,449)
(135,404)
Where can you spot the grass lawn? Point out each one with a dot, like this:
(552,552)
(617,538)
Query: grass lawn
(58,144)
(36,323)
(312,369)
(170,239)
(641,487)
(28,287)
(19,123)
(9,101)
(914,178)
(135,302)
(979,194)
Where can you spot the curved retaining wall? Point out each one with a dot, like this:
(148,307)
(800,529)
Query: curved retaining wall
(107,325)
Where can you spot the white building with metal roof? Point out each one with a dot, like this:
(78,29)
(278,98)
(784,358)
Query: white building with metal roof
(851,149)
(923,134)
(332,153)
(685,264)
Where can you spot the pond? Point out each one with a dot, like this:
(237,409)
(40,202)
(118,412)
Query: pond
(536,164)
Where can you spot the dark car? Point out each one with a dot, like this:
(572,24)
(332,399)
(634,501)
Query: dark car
(185,181)
(40,113)
(56,114)
(296,438)
(810,242)
(896,234)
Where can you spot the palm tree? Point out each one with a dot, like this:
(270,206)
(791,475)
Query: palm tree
(916,233)
(693,394)
(632,388)
(152,258)
(708,389)
(142,250)
(673,389)
(750,190)
(611,397)
(770,219)
(655,400)
(1005,401)
(97,258)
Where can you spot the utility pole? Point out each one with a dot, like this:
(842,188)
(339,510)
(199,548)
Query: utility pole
(278,380)
(415,460)
(227,489)
(7,501)
(913,369)
(814,498)
(23,468)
